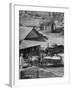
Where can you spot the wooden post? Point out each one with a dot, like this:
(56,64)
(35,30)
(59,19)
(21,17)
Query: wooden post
(37,74)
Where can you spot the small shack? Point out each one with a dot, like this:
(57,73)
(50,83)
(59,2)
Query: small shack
(45,26)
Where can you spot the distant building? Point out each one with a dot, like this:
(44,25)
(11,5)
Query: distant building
(45,26)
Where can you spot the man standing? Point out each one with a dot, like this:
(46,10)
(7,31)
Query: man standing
(53,27)
(21,61)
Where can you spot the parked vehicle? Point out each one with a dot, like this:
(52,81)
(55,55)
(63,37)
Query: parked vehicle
(55,60)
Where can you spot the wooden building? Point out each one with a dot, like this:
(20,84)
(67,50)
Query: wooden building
(30,41)
(45,26)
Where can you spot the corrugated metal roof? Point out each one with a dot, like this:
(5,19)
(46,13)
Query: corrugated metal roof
(28,43)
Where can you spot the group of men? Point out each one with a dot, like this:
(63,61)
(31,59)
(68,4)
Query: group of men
(29,59)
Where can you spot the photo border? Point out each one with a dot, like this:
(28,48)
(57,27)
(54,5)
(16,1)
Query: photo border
(14,80)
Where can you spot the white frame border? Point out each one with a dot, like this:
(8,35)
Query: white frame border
(14,37)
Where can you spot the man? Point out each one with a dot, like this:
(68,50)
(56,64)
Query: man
(53,27)
(21,61)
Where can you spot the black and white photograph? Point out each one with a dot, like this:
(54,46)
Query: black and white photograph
(41,44)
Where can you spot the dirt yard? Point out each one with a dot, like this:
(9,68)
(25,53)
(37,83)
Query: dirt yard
(35,72)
